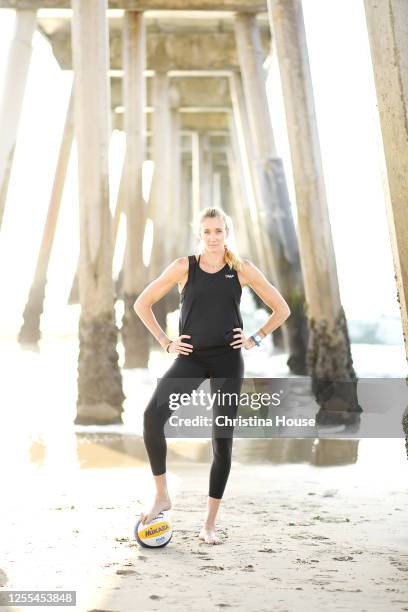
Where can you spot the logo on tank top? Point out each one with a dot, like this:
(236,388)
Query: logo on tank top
(229,275)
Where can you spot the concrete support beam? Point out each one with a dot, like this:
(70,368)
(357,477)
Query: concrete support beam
(134,334)
(175,160)
(119,206)
(189,122)
(185,74)
(161,189)
(242,147)
(251,6)
(387,24)
(210,92)
(270,184)
(202,171)
(165,51)
(100,394)
(238,206)
(188,238)
(328,355)
(235,165)
(11,103)
(195,176)
(216,189)
(226,195)
(174,246)
(203,122)
(202,91)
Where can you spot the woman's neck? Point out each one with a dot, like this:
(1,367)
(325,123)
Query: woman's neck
(213,259)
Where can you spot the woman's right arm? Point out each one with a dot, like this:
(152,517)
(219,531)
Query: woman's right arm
(154,292)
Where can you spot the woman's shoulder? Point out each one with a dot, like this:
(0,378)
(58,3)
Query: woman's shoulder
(246,271)
(245,265)
(182,263)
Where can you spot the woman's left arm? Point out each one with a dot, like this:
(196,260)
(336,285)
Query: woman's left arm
(253,277)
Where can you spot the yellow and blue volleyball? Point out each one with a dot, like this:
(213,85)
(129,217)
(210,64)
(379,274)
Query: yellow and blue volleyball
(155,534)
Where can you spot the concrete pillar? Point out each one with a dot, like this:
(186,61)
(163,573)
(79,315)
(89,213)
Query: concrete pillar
(11,103)
(186,191)
(226,191)
(216,189)
(328,355)
(73,297)
(195,175)
(238,206)
(245,185)
(160,194)
(202,171)
(206,170)
(270,185)
(242,143)
(120,205)
(242,146)
(161,182)
(100,394)
(30,330)
(119,209)
(134,333)
(387,24)
(174,223)
(174,156)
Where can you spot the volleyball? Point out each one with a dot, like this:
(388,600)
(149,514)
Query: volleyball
(155,534)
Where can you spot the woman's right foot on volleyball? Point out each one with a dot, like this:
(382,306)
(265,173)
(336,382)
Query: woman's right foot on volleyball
(160,504)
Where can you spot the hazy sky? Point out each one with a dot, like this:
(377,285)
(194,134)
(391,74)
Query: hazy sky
(352,157)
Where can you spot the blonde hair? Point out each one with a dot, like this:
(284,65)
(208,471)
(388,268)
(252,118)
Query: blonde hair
(231,258)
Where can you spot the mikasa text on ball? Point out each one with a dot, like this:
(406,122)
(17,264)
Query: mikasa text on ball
(155,534)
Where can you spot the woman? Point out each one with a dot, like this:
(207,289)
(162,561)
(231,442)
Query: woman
(209,346)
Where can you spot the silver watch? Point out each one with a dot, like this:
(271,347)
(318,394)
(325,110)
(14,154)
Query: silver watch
(257,338)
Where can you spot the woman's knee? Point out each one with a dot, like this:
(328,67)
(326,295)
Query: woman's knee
(222,450)
(155,415)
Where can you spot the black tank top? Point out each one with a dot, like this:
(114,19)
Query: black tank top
(209,309)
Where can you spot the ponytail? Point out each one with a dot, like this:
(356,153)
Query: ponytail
(233,260)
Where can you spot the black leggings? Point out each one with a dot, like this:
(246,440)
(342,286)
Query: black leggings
(194,369)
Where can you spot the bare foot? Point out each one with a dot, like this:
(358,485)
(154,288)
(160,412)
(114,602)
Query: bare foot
(207,534)
(160,504)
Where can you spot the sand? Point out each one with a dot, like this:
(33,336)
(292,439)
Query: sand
(296,537)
